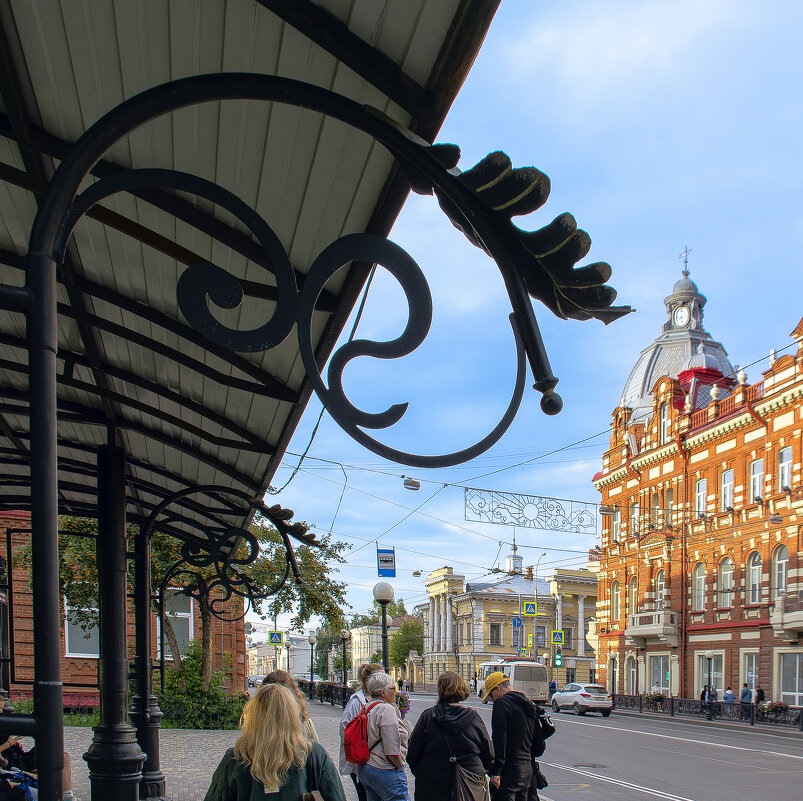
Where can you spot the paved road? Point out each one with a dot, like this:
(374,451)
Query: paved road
(590,758)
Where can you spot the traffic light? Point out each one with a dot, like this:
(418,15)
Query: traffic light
(558,658)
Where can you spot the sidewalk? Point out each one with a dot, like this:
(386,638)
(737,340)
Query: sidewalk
(189,757)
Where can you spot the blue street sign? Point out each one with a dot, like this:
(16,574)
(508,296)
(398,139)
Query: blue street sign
(530,608)
(516,622)
(386,562)
(275,637)
(557,638)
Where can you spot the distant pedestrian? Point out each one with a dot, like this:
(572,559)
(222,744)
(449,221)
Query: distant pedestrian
(656,689)
(729,698)
(760,697)
(705,699)
(400,683)
(443,731)
(553,688)
(473,684)
(745,700)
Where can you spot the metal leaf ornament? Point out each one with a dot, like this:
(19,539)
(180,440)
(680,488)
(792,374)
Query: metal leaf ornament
(545,259)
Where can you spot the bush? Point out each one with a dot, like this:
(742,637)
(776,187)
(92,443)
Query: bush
(187,705)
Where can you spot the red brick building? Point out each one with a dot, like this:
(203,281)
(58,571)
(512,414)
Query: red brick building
(79,662)
(700,568)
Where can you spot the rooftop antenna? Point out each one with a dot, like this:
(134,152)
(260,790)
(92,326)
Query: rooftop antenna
(685,256)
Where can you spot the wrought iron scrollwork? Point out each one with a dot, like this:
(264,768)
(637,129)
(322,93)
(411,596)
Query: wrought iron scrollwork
(480,202)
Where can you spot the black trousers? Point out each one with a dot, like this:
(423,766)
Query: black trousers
(515,782)
(358,787)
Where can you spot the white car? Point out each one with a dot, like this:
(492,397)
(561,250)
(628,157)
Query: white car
(582,698)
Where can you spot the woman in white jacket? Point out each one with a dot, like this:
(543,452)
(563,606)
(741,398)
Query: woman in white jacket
(354,705)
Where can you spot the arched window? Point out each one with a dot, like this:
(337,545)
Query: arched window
(631,675)
(754,578)
(725,584)
(780,566)
(660,588)
(615,602)
(698,587)
(632,596)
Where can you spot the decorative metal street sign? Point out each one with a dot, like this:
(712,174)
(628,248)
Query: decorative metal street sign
(386,562)
(530,608)
(557,638)
(276,637)
(530,511)
(516,622)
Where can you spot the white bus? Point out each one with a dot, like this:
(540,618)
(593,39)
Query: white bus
(526,675)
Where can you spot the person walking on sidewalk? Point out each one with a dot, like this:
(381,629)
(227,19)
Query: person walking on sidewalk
(729,697)
(383,775)
(352,709)
(517,741)
(444,731)
(745,700)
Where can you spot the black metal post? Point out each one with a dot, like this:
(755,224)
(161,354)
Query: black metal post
(47,689)
(311,661)
(344,640)
(114,757)
(709,714)
(385,663)
(145,713)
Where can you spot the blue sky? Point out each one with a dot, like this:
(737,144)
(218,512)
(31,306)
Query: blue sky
(660,125)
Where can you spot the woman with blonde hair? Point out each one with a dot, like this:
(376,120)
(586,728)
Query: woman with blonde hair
(272,759)
(351,710)
(286,680)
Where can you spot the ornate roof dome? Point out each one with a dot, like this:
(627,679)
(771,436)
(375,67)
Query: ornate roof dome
(682,345)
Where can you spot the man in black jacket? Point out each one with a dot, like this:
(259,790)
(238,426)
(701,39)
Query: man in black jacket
(517,740)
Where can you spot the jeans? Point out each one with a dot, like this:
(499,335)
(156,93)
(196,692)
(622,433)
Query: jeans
(383,785)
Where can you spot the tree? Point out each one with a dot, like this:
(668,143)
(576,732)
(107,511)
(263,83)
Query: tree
(409,637)
(317,594)
(395,609)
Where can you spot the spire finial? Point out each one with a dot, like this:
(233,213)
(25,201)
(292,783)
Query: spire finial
(685,256)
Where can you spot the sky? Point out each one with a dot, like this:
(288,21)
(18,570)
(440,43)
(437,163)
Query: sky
(662,125)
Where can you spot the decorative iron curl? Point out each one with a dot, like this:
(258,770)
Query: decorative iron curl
(480,202)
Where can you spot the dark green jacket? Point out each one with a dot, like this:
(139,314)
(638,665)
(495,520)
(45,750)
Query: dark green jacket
(232,781)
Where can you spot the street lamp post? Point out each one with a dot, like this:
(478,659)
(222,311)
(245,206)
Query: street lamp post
(288,646)
(383,593)
(345,634)
(709,655)
(312,639)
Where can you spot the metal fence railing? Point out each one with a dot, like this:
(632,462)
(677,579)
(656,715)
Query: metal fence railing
(769,714)
(325,691)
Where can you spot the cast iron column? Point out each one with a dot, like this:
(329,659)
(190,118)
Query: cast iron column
(114,757)
(145,713)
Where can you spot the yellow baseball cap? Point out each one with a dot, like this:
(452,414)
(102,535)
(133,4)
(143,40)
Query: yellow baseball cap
(493,680)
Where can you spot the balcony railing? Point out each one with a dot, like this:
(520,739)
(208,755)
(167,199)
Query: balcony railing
(660,617)
(728,405)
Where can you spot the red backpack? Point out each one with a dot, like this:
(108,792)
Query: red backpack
(355,737)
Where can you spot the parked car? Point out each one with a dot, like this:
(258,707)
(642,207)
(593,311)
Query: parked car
(582,698)
(255,681)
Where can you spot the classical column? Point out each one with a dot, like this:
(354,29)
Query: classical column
(449,624)
(559,613)
(444,606)
(436,641)
(431,626)
(581,626)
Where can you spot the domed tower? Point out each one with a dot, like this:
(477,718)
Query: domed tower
(682,346)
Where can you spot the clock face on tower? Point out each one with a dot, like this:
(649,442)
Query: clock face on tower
(681,315)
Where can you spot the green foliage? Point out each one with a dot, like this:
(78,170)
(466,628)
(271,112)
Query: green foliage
(409,637)
(188,703)
(395,609)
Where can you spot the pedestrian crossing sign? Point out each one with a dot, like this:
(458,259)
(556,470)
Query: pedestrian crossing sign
(275,637)
(557,638)
(530,608)
(529,640)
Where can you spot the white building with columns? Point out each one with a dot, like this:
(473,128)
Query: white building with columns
(470,623)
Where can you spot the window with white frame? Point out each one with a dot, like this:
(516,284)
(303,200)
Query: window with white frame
(516,638)
(495,634)
(178,608)
(751,669)
(698,587)
(634,518)
(670,498)
(632,596)
(726,491)
(725,584)
(754,578)
(660,588)
(615,602)
(664,423)
(710,672)
(568,637)
(785,469)
(656,509)
(700,489)
(616,525)
(540,635)
(81,641)
(780,566)
(659,672)
(756,480)
(792,679)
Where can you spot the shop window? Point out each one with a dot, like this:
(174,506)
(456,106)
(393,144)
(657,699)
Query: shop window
(792,679)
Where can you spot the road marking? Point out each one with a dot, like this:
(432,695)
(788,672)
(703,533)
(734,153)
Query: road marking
(649,790)
(687,739)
